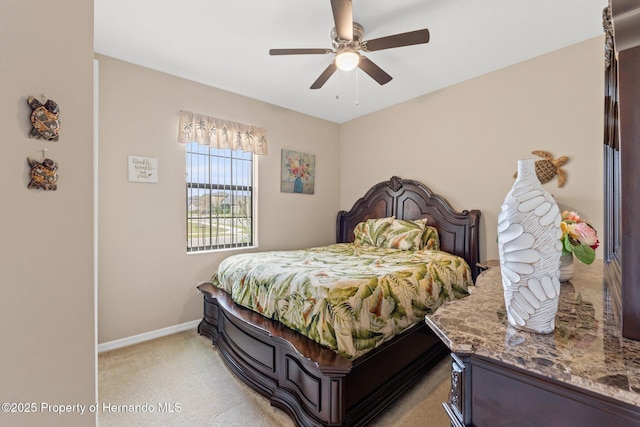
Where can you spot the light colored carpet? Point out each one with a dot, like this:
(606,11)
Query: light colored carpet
(180,380)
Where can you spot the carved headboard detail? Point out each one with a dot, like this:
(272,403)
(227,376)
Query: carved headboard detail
(408,199)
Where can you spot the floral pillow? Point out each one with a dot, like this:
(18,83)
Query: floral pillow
(405,234)
(430,238)
(372,231)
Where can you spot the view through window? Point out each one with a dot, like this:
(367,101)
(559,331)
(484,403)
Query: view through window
(220,192)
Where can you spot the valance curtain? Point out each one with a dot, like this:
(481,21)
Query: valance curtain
(218,133)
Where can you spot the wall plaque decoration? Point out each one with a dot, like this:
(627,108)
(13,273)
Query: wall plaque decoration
(298,172)
(45,119)
(143,169)
(44,175)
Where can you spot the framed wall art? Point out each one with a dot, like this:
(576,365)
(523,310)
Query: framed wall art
(297,172)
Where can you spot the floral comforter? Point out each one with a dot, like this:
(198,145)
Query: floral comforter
(346,297)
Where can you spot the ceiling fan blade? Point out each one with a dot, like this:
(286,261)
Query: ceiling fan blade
(299,51)
(375,72)
(328,72)
(397,40)
(343,18)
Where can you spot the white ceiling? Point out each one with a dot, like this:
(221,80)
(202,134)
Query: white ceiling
(225,44)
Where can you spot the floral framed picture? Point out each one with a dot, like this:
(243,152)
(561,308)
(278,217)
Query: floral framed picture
(298,172)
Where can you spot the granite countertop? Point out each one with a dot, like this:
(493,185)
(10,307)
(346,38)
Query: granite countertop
(585,350)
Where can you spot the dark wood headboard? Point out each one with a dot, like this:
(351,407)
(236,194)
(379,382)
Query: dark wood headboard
(406,199)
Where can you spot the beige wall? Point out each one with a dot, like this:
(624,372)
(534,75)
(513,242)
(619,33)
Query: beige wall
(464,141)
(46,238)
(146,279)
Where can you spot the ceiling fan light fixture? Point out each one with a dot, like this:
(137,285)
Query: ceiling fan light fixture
(347,59)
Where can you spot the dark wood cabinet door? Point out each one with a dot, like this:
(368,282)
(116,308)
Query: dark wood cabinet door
(621,21)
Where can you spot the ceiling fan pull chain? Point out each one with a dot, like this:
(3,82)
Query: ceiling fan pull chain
(357,89)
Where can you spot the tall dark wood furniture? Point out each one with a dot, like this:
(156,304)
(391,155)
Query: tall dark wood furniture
(621,162)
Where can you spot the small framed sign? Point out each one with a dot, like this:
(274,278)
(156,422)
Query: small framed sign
(143,169)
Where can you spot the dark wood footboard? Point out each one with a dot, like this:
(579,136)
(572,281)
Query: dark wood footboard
(314,385)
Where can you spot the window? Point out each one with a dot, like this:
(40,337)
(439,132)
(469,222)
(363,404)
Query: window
(220,194)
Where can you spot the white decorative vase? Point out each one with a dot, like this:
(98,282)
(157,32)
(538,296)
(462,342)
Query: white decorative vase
(529,247)
(567,269)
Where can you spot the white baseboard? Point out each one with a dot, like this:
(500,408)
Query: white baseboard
(146,336)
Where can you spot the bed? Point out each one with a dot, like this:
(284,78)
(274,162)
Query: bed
(318,386)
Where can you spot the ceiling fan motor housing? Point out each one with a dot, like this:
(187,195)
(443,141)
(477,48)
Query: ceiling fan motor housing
(356,43)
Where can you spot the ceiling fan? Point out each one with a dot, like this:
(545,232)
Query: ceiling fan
(347,42)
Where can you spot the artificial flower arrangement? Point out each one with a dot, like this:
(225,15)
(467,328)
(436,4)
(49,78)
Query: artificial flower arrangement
(578,237)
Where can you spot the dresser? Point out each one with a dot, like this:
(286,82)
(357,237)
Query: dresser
(583,374)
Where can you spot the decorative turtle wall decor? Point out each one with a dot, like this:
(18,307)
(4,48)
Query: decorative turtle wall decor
(44,118)
(43,175)
(548,167)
